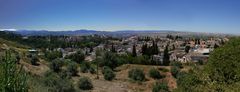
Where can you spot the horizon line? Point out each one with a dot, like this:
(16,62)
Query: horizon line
(118,30)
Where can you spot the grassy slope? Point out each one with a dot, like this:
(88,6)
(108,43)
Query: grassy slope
(9,44)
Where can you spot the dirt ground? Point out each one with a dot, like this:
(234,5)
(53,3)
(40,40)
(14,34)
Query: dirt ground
(122,83)
(35,70)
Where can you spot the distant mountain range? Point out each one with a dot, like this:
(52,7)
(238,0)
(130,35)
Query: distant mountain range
(45,32)
(122,33)
(84,32)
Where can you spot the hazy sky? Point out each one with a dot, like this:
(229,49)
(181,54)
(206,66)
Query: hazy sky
(108,15)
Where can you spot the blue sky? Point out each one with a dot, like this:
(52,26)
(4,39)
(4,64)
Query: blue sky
(221,16)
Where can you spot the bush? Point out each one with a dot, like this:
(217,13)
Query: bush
(85,66)
(85,83)
(56,83)
(105,68)
(160,87)
(108,74)
(72,69)
(154,73)
(65,74)
(163,69)
(136,74)
(110,59)
(53,55)
(92,70)
(177,64)
(34,60)
(56,65)
(77,57)
(174,71)
(200,62)
(187,81)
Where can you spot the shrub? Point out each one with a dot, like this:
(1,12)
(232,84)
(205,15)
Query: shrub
(85,66)
(200,62)
(56,83)
(109,59)
(136,74)
(53,55)
(160,87)
(85,83)
(154,73)
(56,65)
(163,69)
(77,57)
(187,81)
(177,64)
(174,71)
(72,69)
(92,70)
(105,68)
(65,74)
(108,74)
(34,60)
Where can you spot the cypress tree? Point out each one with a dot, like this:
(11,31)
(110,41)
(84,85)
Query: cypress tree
(166,56)
(134,53)
(144,49)
(113,48)
(215,46)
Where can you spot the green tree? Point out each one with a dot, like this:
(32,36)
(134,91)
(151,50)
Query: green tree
(220,74)
(187,48)
(215,46)
(98,53)
(144,49)
(134,53)
(154,48)
(223,63)
(166,56)
(113,48)
(173,47)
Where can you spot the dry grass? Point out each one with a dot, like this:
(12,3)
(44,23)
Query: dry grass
(123,84)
